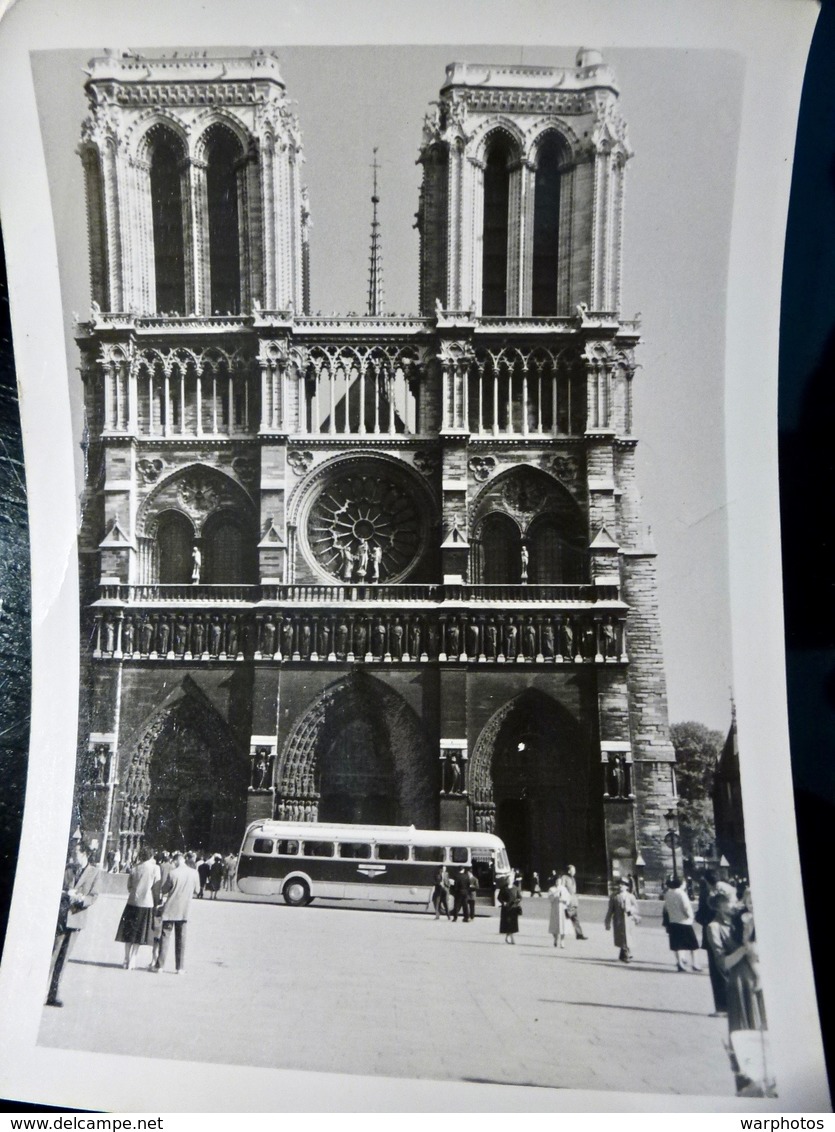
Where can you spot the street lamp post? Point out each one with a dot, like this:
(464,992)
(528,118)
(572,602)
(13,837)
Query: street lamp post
(672,829)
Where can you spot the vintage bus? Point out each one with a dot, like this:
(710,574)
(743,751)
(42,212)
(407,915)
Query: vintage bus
(303,860)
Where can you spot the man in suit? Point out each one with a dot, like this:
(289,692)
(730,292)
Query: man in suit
(461,895)
(182,884)
(81,887)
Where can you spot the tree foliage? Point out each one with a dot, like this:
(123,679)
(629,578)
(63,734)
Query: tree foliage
(697,751)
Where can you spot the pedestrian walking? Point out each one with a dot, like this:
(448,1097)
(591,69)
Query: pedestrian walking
(622,917)
(136,926)
(472,888)
(461,896)
(183,883)
(572,912)
(678,918)
(440,893)
(215,875)
(80,890)
(230,866)
(560,897)
(510,898)
(536,887)
(204,868)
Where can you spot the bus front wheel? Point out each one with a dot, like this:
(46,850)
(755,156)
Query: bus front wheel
(296,893)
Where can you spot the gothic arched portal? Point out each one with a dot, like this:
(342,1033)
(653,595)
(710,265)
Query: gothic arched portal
(186,782)
(532,784)
(358,755)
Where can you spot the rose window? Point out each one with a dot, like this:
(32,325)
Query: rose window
(366,525)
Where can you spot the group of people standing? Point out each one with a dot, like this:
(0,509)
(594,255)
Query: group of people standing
(159,895)
(463,887)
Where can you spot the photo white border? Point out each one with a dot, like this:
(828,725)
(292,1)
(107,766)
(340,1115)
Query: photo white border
(773,36)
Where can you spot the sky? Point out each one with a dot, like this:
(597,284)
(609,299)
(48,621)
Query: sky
(683,110)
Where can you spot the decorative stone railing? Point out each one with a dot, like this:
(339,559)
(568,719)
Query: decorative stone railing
(351,593)
(589,635)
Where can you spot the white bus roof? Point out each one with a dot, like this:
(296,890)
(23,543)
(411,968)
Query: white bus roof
(391,834)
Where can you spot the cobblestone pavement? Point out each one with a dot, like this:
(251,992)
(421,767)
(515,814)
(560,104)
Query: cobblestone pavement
(383,991)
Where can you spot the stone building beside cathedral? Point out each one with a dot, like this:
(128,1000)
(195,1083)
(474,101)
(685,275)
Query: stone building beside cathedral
(366,568)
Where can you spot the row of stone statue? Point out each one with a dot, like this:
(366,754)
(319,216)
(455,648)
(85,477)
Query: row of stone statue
(570,637)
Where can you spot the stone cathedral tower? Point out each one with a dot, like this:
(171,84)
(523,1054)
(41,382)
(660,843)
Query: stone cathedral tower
(365,568)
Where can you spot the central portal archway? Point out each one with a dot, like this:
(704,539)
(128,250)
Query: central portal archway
(358,755)
(532,786)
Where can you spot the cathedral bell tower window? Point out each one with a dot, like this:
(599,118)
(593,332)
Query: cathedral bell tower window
(495,239)
(546,216)
(224,157)
(167,217)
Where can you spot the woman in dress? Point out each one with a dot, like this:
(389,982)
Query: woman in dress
(737,960)
(510,898)
(560,898)
(679,919)
(136,927)
(622,916)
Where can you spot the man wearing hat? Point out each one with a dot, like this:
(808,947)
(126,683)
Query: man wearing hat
(622,915)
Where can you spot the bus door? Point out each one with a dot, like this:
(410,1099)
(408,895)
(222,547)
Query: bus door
(484,870)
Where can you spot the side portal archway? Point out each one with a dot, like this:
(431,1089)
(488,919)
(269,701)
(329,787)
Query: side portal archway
(532,784)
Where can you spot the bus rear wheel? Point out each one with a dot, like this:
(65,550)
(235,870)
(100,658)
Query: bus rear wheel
(296,893)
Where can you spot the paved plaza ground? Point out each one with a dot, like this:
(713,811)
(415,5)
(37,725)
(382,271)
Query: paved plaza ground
(379,990)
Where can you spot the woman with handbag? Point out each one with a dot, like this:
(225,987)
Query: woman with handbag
(510,898)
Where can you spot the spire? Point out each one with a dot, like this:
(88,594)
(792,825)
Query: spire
(375,269)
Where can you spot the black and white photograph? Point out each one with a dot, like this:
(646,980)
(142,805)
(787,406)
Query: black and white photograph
(407,733)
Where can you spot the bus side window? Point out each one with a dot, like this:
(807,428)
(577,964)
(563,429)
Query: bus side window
(318,848)
(459,855)
(262,845)
(288,848)
(434,854)
(392,852)
(355,850)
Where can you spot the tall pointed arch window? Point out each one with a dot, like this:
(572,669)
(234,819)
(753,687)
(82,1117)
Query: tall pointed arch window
(175,538)
(495,235)
(223,160)
(500,551)
(229,551)
(167,218)
(546,219)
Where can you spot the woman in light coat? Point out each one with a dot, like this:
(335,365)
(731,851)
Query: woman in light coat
(136,927)
(560,898)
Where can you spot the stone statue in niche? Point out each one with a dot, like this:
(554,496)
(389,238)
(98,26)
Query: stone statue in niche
(180,631)
(397,640)
(415,635)
(456,776)
(490,639)
(163,635)
(472,639)
(341,639)
(146,636)
(376,560)
(268,642)
(617,776)
(530,639)
(379,639)
(198,636)
(214,635)
(304,644)
(568,640)
(109,636)
(348,558)
(261,767)
(609,639)
(360,636)
(452,639)
(324,639)
(287,638)
(196,565)
(548,639)
(525,555)
(232,637)
(362,558)
(510,634)
(127,637)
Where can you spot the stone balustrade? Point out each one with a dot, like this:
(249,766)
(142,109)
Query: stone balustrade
(338,594)
(589,635)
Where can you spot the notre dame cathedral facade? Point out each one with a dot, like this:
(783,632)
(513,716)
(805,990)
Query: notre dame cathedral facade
(366,568)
